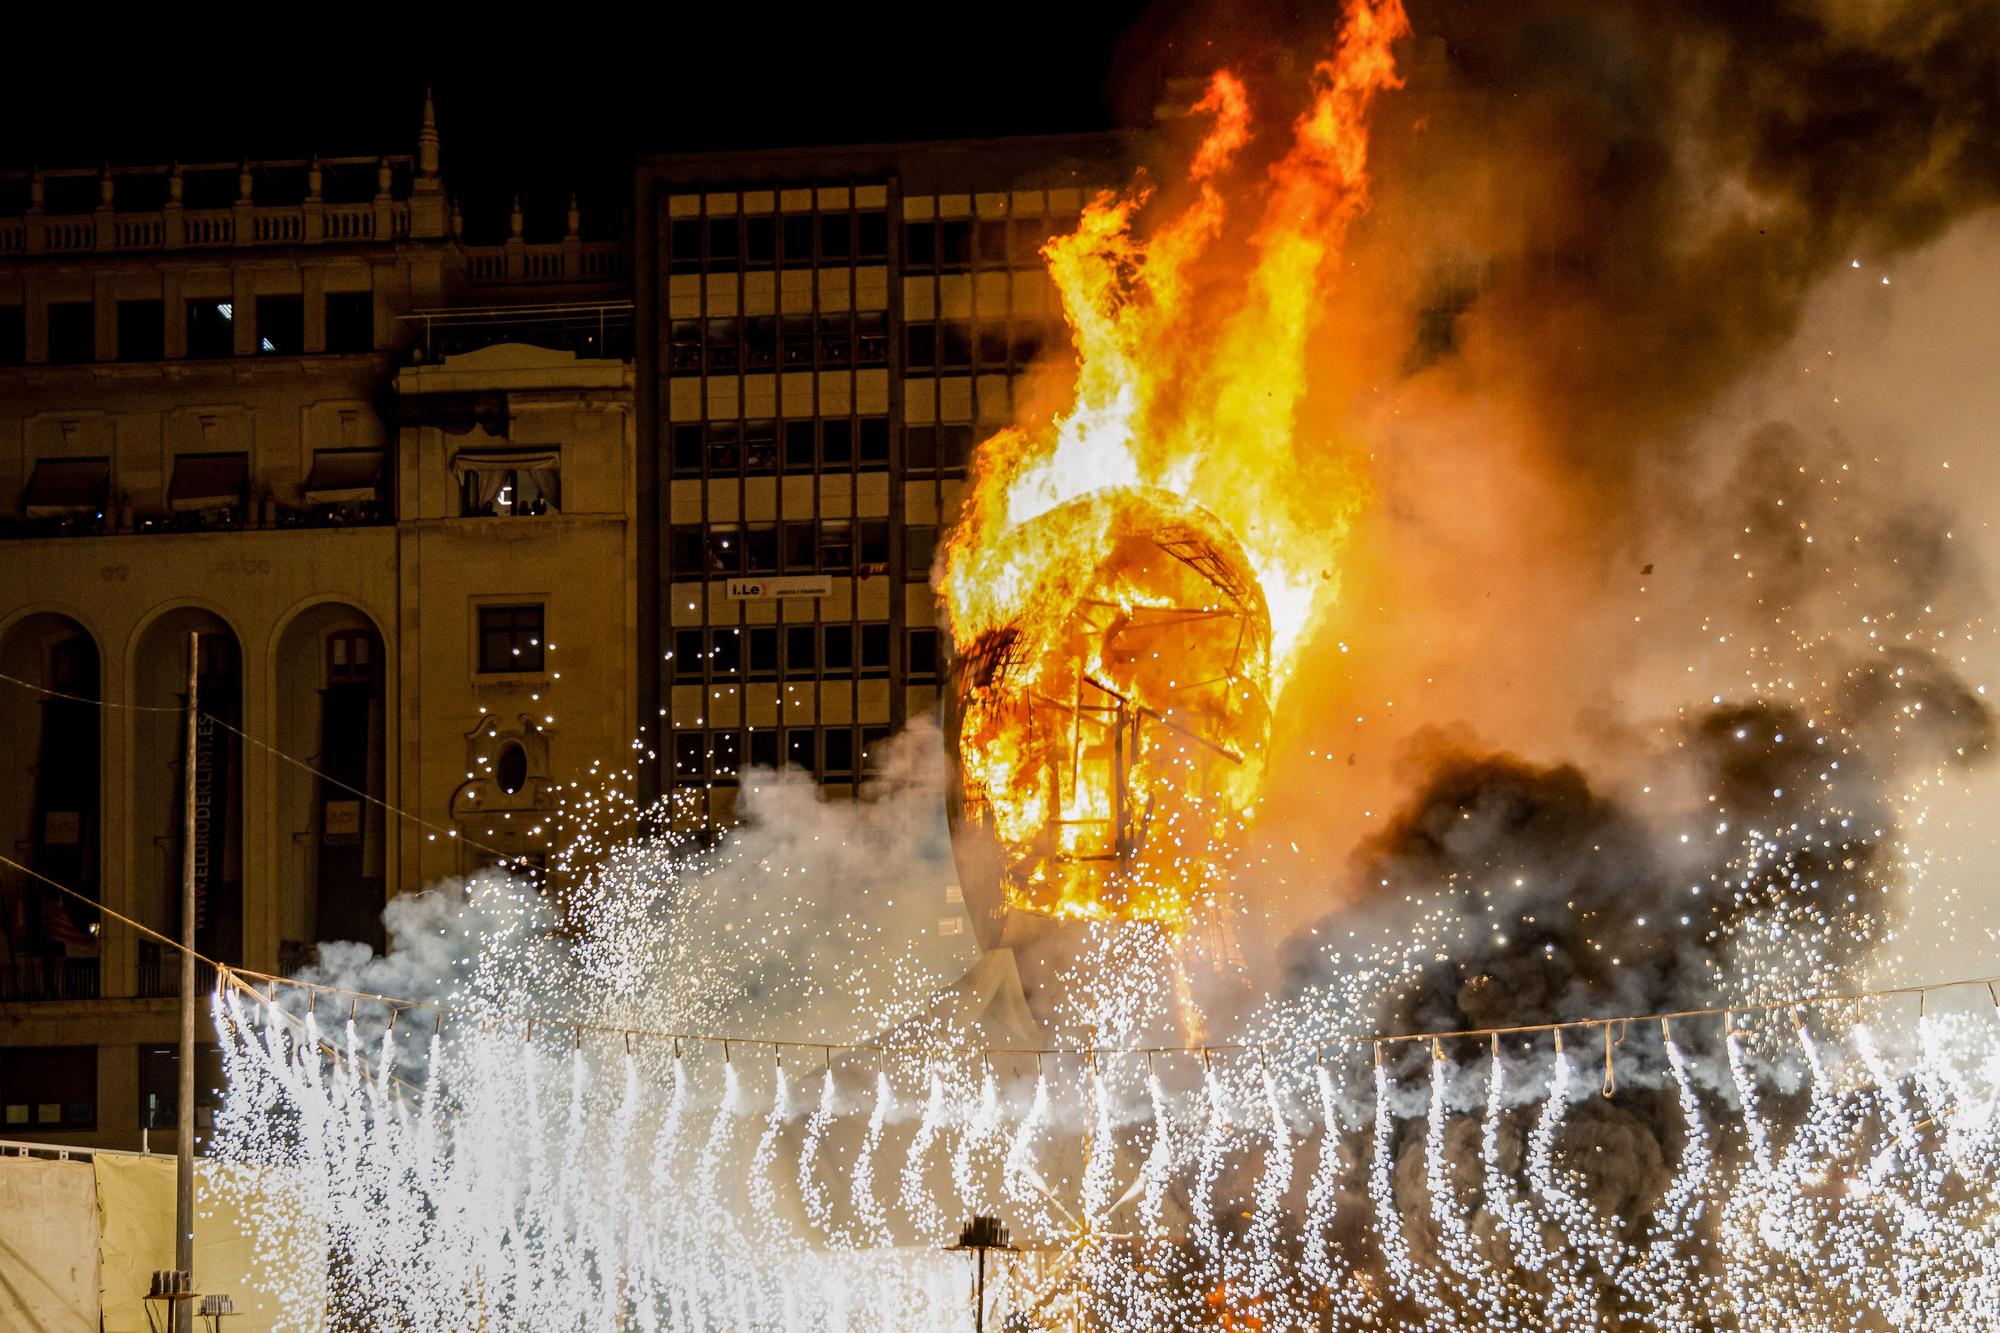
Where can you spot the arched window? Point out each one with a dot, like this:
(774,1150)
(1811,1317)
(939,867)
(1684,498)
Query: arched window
(350,657)
(511,772)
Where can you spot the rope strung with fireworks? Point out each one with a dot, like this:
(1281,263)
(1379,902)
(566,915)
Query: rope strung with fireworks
(1089,1050)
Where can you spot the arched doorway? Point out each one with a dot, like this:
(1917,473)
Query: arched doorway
(49,798)
(334,843)
(159,680)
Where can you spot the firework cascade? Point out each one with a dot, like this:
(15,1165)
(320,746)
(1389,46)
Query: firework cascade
(1155,1064)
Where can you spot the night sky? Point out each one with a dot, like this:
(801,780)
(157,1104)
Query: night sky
(573,113)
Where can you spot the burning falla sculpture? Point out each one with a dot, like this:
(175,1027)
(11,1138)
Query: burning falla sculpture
(1130,580)
(1109,743)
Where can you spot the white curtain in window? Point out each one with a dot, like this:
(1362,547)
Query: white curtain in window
(483,488)
(490,470)
(548,481)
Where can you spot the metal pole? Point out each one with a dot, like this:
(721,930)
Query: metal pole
(183,1320)
(979,1295)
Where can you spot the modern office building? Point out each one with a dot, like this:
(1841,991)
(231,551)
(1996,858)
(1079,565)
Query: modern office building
(822,338)
(385,477)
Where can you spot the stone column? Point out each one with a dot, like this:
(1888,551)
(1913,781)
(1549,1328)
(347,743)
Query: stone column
(106,216)
(174,224)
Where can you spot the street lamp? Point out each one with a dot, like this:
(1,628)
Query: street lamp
(981,1234)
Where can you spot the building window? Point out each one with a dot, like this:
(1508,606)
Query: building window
(210,488)
(801,546)
(723,238)
(836,657)
(872,545)
(760,343)
(954,246)
(142,330)
(836,238)
(344,477)
(684,338)
(211,329)
(760,447)
(991,238)
(690,756)
(798,338)
(836,342)
(920,347)
(920,658)
(802,748)
(48,1087)
(919,550)
(685,443)
(760,548)
(159,1085)
(801,650)
(725,651)
(13,335)
(954,345)
(510,638)
(684,552)
(760,242)
(690,651)
(71,491)
(836,547)
(72,332)
(919,245)
(801,448)
(763,748)
(350,657)
(724,549)
(937,448)
(875,649)
(724,346)
(837,753)
(836,443)
(871,236)
(684,246)
(350,321)
(510,770)
(872,434)
(763,652)
(798,240)
(281,325)
(508,483)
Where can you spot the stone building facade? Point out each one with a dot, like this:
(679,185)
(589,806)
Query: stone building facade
(281,406)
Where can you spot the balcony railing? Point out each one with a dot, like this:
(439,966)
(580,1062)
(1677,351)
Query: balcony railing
(52,979)
(266,514)
(598,330)
(571,260)
(168,224)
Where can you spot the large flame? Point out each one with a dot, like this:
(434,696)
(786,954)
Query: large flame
(1190,371)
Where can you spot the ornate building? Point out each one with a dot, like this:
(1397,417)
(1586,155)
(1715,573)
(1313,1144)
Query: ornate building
(385,477)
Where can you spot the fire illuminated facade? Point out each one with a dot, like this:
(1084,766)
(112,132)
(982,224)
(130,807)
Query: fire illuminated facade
(824,337)
(285,406)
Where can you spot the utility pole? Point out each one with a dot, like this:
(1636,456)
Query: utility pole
(183,1320)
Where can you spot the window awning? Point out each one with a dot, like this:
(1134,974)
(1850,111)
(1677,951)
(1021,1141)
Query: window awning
(344,476)
(67,488)
(208,481)
(503,460)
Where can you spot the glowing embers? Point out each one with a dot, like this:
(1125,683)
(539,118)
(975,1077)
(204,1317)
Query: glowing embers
(1111,739)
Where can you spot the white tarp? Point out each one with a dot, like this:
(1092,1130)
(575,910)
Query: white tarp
(82,1238)
(48,1245)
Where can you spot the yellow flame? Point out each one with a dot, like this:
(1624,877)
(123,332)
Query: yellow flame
(1177,390)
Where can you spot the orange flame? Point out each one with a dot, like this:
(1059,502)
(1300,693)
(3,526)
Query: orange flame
(1177,394)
